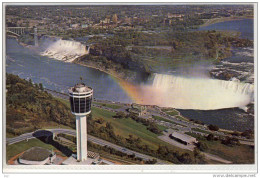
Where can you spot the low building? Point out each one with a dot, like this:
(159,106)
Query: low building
(84,26)
(183,138)
(37,156)
(75,25)
(93,158)
(139,110)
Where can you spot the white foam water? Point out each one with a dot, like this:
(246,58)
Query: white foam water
(197,93)
(65,50)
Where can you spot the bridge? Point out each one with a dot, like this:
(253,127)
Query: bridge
(18,31)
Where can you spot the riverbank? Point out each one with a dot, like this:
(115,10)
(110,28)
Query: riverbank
(113,74)
(223,19)
(109,67)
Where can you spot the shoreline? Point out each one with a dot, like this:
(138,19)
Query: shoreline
(89,66)
(101,70)
(219,20)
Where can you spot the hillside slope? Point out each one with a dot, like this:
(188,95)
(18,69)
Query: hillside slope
(28,107)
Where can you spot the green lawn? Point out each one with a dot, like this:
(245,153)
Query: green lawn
(110,105)
(14,149)
(122,160)
(167,120)
(238,154)
(173,112)
(202,131)
(166,109)
(9,135)
(161,127)
(125,127)
(182,118)
(242,154)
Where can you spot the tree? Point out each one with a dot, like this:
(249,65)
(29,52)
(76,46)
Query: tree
(30,81)
(210,137)
(109,126)
(100,121)
(247,134)
(231,141)
(235,133)
(120,115)
(213,127)
(41,86)
(163,150)
(196,152)
(202,146)
(153,128)
(185,158)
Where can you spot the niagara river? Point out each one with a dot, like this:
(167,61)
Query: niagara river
(52,67)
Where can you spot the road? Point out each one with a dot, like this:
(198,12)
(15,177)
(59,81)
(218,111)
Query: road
(188,126)
(158,112)
(216,158)
(90,138)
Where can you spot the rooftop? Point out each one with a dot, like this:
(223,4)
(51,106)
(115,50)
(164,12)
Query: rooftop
(183,137)
(80,88)
(36,154)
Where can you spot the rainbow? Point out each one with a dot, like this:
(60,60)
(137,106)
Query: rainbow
(130,89)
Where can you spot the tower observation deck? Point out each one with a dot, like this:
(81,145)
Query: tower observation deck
(80,102)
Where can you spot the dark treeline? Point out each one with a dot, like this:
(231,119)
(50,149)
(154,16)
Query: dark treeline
(126,50)
(29,107)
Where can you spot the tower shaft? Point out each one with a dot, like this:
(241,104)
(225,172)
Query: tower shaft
(80,104)
(81,126)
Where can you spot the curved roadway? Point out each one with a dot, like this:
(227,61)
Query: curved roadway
(93,139)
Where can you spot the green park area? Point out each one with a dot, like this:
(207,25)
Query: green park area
(200,130)
(108,105)
(170,111)
(127,126)
(243,154)
(174,112)
(16,148)
(167,120)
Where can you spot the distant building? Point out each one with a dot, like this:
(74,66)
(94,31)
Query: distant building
(106,21)
(84,25)
(138,109)
(183,138)
(74,25)
(167,21)
(127,20)
(169,15)
(114,19)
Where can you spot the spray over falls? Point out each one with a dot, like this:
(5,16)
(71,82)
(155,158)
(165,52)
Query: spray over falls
(169,90)
(65,50)
(195,93)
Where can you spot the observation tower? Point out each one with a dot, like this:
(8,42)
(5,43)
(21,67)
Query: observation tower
(80,103)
